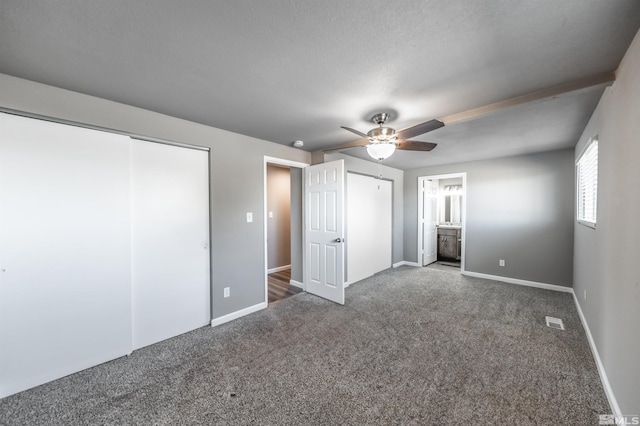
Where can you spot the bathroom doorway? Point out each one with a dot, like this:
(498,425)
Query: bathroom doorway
(441,221)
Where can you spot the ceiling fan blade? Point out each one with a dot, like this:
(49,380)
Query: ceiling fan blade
(357,132)
(419,129)
(359,142)
(415,145)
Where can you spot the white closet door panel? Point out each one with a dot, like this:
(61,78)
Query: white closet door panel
(65,289)
(360,227)
(381,255)
(369,226)
(171,285)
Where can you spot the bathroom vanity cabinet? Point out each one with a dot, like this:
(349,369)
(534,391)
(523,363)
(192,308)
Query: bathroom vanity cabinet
(449,243)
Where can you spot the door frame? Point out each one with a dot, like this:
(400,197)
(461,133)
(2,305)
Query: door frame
(463,175)
(283,162)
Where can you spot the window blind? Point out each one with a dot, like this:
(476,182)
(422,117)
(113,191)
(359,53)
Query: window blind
(588,184)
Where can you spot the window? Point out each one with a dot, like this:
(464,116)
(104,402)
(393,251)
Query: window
(587,169)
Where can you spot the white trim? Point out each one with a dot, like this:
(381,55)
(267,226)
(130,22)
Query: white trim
(237,314)
(586,146)
(404,262)
(586,223)
(278,269)
(283,162)
(613,403)
(273,160)
(297,284)
(420,251)
(518,281)
(100,129)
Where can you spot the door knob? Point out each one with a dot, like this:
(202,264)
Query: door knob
(339,240)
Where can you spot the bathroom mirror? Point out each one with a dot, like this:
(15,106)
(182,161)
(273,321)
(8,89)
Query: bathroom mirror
(451,210)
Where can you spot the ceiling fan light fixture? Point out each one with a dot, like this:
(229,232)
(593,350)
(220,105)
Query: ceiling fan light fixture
(382,142)
(381,151)
(382,134)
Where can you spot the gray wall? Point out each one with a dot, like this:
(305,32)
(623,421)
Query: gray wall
(278,226)
(296,224)
(518,208)
(606,263)
(237,173)
(358,165)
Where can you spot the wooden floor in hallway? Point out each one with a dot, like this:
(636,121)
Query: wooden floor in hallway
(280,287)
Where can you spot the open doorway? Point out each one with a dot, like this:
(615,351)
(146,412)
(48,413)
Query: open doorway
(441,221)
(282,228)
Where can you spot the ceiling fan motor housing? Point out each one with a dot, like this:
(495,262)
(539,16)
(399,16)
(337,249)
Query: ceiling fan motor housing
(382,134)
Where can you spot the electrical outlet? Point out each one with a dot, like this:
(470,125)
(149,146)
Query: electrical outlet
(501,263)
(226,292)
(585,295)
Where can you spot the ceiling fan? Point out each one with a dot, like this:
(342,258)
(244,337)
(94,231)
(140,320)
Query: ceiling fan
(381,142)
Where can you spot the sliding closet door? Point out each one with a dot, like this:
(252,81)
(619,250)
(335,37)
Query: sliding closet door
(381,256)
(369,222)
(171,285)
(65,284)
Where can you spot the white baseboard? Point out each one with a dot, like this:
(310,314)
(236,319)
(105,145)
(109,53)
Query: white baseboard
(517,281)
(278,269)
(613,403)
(404,262)
(235,315)
(296,284)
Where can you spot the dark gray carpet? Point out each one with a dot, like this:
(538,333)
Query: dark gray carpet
(411,346)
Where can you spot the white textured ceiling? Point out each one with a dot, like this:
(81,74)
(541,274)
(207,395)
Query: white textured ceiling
(282,70)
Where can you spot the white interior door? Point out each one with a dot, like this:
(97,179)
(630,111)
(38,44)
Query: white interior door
(369,226)
(65,277)
(170,214)
(430,222)
(324,230)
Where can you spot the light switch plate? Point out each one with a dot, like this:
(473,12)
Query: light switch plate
(249,217)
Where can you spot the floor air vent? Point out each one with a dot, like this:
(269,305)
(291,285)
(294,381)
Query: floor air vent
(554,323)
